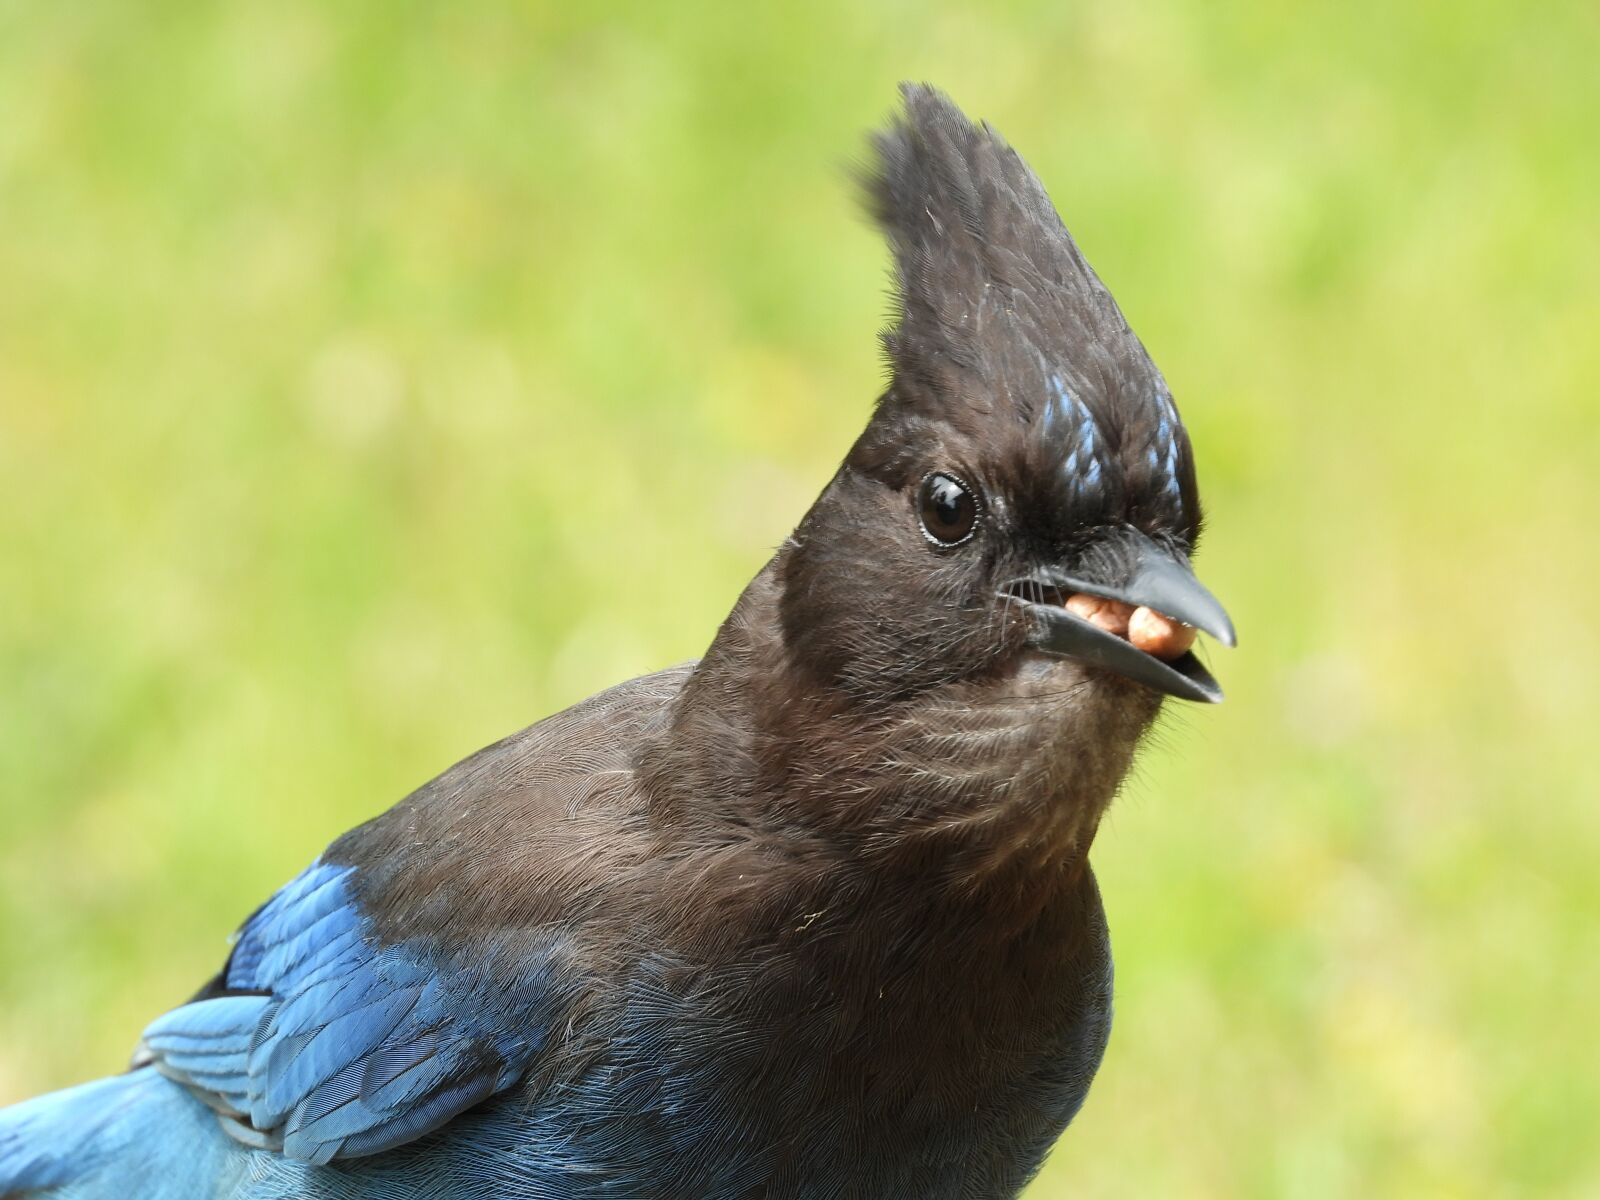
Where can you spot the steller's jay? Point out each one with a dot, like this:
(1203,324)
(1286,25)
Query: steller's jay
(810,918)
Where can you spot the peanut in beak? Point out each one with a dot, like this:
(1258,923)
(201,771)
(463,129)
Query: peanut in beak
(1153,632)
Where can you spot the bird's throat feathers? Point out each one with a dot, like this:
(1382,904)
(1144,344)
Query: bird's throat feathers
(988,783)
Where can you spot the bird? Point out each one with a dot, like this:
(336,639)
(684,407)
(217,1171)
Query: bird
(810,917)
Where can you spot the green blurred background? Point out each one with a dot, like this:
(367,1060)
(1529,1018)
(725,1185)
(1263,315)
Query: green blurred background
(377,378)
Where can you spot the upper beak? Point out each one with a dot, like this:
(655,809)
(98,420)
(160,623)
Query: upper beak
(1159,580)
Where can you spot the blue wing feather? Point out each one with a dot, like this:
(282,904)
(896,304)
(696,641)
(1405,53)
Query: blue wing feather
(338,1046)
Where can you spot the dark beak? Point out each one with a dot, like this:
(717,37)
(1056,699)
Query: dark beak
(1160,580)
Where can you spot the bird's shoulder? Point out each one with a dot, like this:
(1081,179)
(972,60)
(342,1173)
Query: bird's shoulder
(512,834)
(414,969)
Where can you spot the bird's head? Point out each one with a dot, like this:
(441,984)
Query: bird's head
(1026,452)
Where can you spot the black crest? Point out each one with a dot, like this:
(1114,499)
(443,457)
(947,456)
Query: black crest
(1000,318)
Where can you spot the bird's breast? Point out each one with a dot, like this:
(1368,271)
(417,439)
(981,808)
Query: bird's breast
(893,1056)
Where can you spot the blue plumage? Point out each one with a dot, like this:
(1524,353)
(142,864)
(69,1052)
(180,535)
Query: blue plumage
(339,1048)
(130,1137)
(326,1046)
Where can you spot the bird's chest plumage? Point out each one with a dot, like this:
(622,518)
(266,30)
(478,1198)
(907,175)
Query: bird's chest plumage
(919,1069)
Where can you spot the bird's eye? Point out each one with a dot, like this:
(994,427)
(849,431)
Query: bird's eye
(948,509)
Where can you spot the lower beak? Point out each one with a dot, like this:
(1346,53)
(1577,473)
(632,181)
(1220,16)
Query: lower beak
(1161,580)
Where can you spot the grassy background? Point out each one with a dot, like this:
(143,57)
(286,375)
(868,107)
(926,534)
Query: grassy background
(375,379)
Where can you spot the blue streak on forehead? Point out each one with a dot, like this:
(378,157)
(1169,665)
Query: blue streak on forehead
(1065,416)
(1167,435)
(1065,412)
